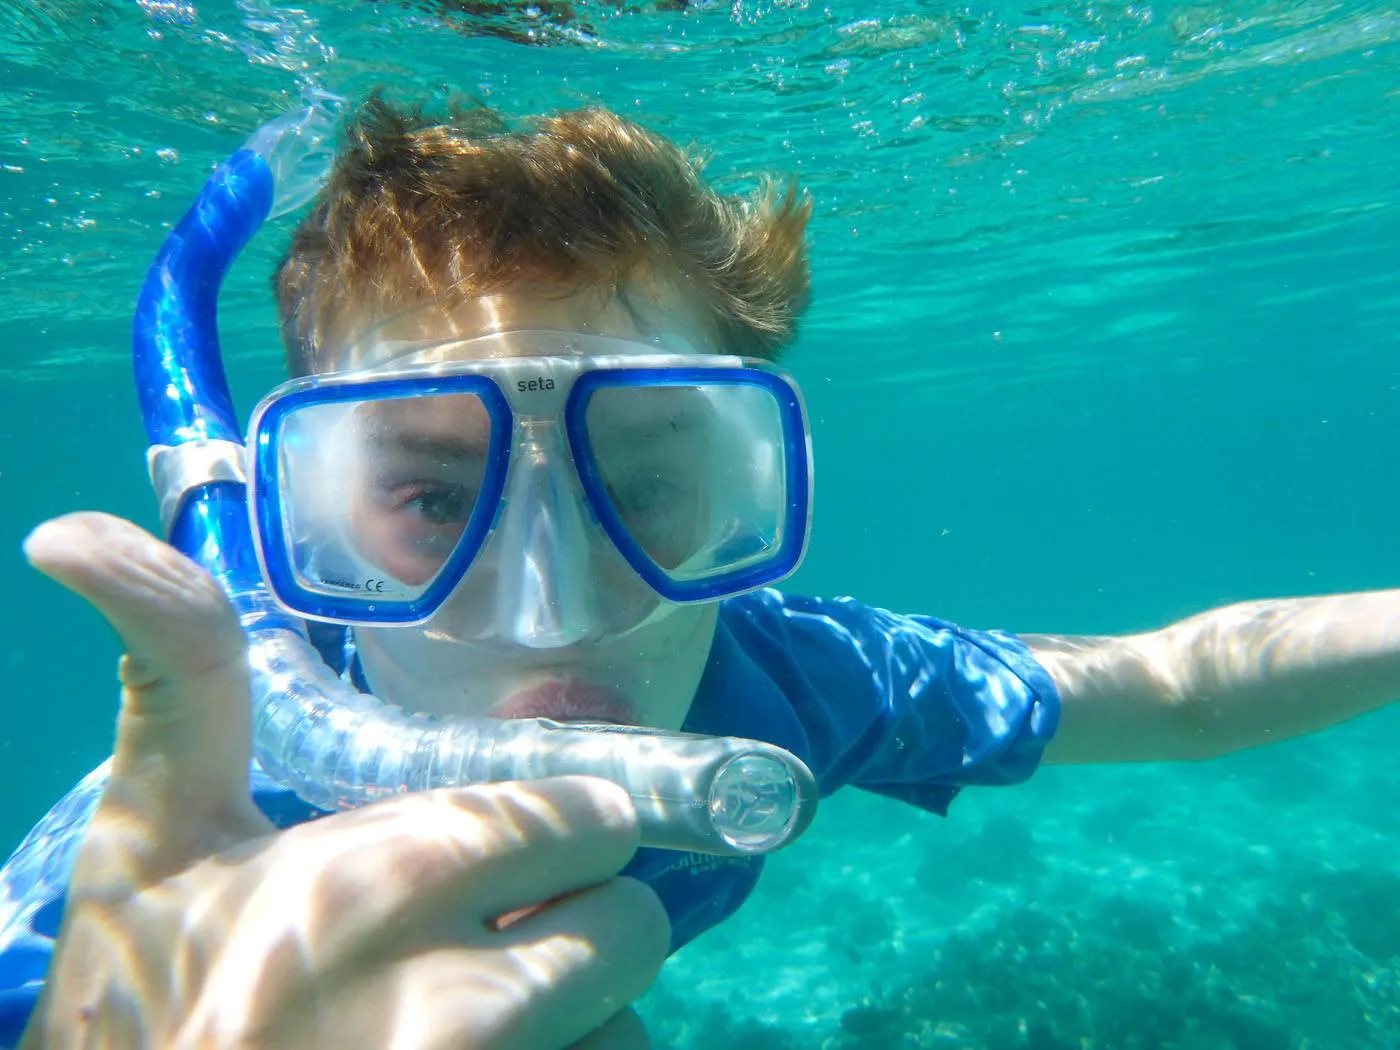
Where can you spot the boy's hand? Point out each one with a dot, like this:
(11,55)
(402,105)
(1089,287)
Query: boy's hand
(191,922)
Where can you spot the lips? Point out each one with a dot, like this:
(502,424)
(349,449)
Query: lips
(568,700)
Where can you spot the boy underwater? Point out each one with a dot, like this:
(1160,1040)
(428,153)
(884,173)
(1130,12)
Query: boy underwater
(602,559)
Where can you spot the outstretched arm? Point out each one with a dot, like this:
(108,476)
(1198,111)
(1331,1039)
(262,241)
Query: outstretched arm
(1225,680)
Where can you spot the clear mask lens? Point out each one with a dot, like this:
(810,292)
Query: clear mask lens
(377,495)
(693,474)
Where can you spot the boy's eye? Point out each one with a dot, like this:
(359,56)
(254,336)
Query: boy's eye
(424,504)
(442,506)
(643,495)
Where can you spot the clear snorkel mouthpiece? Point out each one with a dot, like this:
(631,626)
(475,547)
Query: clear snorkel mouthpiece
(338,748)
(332,745)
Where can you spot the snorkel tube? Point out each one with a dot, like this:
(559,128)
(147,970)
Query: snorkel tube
(332,745)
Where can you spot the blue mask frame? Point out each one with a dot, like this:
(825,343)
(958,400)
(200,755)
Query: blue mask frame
(274,547)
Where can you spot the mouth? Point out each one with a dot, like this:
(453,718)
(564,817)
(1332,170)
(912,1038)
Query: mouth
(568,700)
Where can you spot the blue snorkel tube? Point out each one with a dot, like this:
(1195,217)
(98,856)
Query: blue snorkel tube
(332,745)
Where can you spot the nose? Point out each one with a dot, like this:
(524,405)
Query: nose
(543,589)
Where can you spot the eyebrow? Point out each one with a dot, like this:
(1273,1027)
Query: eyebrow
(677,418)
(429,446)
(641,433)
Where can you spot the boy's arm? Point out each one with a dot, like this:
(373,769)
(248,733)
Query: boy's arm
(1225,680)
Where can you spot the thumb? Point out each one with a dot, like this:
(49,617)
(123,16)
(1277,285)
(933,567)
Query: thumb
(184,736)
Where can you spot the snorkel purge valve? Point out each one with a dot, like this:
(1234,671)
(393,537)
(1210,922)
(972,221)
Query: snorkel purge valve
(336,747)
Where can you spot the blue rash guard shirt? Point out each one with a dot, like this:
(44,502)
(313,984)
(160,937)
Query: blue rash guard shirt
(909,707)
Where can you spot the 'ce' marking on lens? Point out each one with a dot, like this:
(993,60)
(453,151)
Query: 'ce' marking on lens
(374,586)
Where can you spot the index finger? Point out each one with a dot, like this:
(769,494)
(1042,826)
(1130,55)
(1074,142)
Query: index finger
(546,839)
(444,864)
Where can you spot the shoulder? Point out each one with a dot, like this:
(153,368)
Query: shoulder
(890,695)
(795,619)
(779,627)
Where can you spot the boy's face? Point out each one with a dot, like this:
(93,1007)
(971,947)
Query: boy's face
(645,675)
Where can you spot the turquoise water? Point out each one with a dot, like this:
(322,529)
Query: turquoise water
(1103,336)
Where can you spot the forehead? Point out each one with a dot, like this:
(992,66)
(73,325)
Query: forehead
(661,313)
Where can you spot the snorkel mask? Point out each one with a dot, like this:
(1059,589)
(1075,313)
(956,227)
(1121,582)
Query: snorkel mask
(531,522)
(337,747)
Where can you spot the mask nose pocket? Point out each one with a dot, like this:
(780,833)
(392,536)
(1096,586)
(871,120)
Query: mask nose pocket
(543,545)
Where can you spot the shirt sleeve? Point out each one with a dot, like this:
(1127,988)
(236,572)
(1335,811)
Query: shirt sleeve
(34,887)
(911,707)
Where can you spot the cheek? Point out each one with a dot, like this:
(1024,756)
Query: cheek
(379,539)
(676,663)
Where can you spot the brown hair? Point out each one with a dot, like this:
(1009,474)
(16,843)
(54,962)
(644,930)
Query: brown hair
(416,211)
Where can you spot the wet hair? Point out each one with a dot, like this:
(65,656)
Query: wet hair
(420,211)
